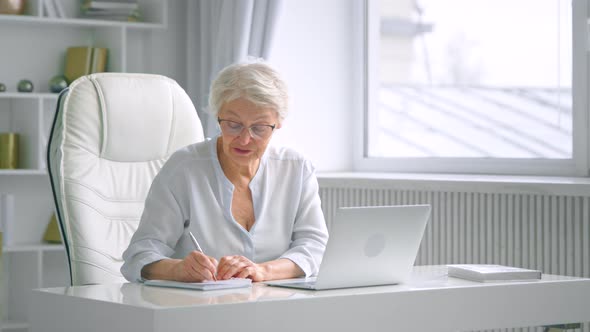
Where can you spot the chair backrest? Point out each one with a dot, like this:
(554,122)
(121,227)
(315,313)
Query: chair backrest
(111,134)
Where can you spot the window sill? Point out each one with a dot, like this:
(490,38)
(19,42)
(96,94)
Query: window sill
(543,185)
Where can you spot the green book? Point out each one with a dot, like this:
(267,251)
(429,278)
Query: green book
(78,62)
(84,60)
(99,60)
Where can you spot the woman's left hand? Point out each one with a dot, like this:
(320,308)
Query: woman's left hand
(239,267)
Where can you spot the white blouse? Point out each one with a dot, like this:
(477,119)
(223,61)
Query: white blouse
(191,193)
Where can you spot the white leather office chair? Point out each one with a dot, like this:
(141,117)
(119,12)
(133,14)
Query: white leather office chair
(111,134)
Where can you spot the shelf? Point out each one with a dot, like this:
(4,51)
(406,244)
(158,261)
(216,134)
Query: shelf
(78,22)
(22,172)
(27,247)
(29,95)
(35,46)
(13,325)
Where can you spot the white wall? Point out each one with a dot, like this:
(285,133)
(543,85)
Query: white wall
(312,49)
(167,47)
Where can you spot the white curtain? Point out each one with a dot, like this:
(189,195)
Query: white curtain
(220,33)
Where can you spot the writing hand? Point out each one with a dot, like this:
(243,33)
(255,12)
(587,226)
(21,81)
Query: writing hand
(197,267)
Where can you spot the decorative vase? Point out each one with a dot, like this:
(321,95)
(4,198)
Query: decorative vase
(25,86)
(9,150)
(57,83)
(2,87)
(12,7)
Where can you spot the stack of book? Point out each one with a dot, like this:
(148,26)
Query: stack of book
(491,273)
(117,10)
(84,60)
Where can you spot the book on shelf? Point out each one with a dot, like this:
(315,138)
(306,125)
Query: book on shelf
(490,272)
(114,17)
(59,8)
(84,60)
(204,286)
(110,10)
(52,233)
(6,217)
(78,61)
(101,4)
(54,8)
(9,150)
(50,9)
(99,60)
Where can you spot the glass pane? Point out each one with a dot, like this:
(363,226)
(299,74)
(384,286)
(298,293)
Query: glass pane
(474,79)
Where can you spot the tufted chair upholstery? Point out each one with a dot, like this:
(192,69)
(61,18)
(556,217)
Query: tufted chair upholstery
(111,134)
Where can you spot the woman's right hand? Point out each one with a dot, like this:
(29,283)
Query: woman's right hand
(196,267)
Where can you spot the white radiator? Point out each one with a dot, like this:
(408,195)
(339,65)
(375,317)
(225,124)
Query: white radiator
(546,232)
(550,233)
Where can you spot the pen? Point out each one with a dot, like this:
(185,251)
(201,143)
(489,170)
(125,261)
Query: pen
(195,242)
(198,247)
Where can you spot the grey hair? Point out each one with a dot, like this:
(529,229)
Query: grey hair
(255,81)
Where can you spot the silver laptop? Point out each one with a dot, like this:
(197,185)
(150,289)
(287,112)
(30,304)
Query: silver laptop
(368,246)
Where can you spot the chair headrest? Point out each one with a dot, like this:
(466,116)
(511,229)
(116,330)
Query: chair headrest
(117,107)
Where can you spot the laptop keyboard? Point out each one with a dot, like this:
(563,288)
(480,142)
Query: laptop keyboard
(306,284)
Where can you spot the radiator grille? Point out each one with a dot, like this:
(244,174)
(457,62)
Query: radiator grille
(550,233)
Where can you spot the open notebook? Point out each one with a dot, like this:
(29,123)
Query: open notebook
(204,286)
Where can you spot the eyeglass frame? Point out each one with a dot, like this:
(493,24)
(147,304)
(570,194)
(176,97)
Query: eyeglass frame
(252,135)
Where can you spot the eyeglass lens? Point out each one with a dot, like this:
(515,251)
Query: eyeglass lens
(235,128)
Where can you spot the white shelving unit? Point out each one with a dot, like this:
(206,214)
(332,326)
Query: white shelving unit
(33,48)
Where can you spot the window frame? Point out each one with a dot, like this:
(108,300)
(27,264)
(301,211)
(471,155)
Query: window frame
(366,81)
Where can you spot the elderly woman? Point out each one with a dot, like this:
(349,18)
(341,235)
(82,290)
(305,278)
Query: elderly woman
(253,208)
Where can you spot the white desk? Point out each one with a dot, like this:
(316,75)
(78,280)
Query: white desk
(431,302)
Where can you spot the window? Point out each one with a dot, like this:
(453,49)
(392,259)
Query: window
(475,86)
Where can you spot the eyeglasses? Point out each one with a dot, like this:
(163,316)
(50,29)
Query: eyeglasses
(257,132)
